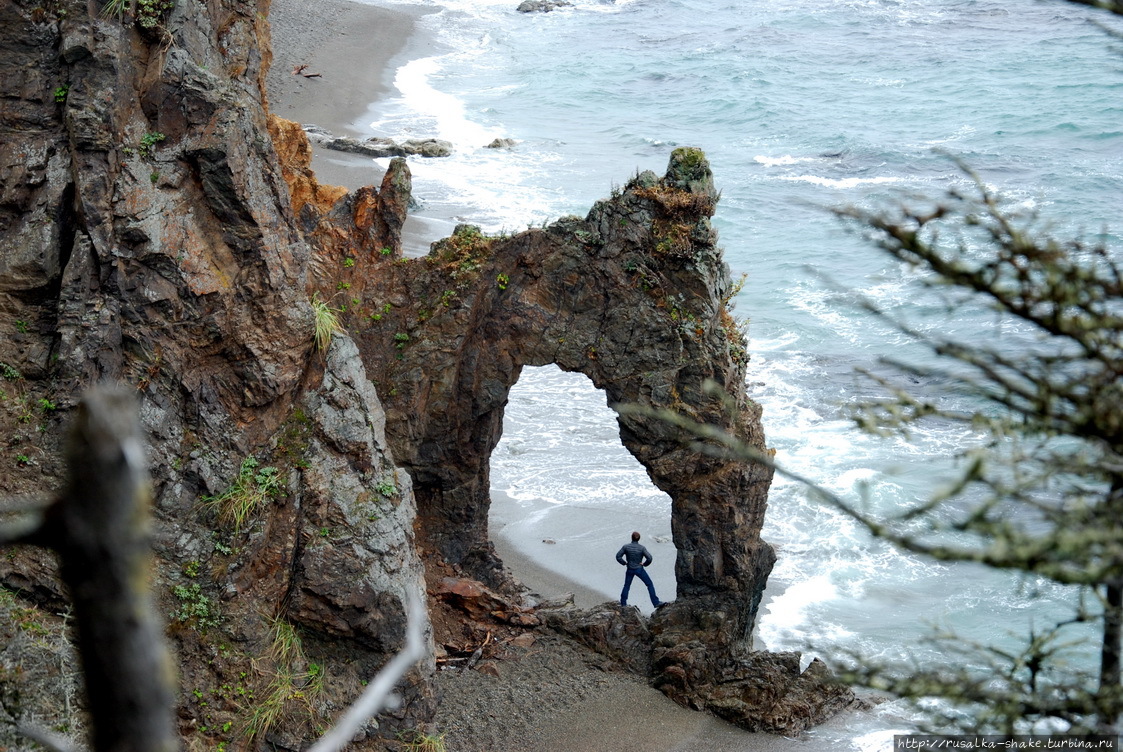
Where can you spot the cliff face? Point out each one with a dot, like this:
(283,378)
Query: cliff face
(158,227)
(147,235)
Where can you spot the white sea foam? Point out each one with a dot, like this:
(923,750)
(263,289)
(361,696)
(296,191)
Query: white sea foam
(959,134)
(882,739)
(787,614)
(783,160)
(445,111)
(841,182)
(561,443)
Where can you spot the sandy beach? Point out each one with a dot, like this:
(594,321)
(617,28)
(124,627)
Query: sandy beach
(553,697)
(352,50)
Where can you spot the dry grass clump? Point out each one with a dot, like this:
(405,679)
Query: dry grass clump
(675,202)
(293,684)
(327,322)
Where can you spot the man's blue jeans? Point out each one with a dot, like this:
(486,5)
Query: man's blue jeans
(646,581)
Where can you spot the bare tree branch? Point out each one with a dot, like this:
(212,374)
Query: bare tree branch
(48,739)
(100,529)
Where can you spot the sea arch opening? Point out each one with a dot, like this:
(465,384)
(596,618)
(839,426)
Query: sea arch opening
(566,494)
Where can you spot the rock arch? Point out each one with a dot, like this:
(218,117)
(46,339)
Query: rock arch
(634,296)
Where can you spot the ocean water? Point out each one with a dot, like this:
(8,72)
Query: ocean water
(800,105)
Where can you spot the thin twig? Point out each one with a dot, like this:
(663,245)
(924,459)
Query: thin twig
(49,739)
(379,693)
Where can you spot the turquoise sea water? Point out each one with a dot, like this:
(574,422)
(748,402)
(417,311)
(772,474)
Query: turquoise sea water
(800,105)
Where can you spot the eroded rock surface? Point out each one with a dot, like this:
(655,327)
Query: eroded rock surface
(635,296)
(148,236)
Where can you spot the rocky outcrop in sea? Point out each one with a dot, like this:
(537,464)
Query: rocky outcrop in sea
(380,147)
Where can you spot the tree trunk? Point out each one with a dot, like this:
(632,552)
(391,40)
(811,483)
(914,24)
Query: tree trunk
(1112,633)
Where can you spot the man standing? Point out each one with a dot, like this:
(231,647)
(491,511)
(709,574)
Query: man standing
(635,557)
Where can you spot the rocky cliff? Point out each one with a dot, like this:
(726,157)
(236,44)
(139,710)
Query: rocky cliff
(148,235)
(159,228)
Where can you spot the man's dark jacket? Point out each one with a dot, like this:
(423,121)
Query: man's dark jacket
(633,555)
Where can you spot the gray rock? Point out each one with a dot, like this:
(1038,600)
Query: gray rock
(542,6)
(316,134)
(385,147)
(620,633)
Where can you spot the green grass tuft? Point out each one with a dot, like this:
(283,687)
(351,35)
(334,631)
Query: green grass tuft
(252,488)
(327,322)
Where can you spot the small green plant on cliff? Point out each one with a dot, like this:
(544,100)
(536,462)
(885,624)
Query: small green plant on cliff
(10,373)
(326,322)
(148,141)
(348,262)
(377,315)
(252,488)
(386,487)
(148,14)
(61,93)
(502,281)
(195,609)
(463,251)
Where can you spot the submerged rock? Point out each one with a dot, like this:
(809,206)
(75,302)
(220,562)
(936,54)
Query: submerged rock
(542,6)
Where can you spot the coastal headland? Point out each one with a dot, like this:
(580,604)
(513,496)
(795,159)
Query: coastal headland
(320,406)
(502,709)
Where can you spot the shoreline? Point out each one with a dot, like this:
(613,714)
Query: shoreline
(584,541)
(356,48)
